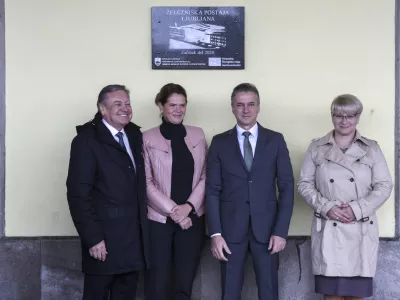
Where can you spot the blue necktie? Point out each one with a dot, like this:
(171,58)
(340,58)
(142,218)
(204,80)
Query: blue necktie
(120,137)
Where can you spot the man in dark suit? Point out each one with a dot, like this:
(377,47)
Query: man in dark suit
(107,198)
(244,167)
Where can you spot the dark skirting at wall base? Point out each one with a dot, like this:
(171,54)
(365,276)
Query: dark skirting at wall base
(49,269)
(20,266)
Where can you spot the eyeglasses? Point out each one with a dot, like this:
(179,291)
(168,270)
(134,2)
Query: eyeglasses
(347,118)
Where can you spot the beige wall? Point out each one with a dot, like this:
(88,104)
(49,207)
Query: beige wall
(300,54)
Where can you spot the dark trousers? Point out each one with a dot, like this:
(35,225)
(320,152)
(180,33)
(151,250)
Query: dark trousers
(110,287)
(265,267)
(175,256)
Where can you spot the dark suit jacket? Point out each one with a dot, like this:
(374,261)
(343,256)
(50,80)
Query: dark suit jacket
(107,198)
(236,197)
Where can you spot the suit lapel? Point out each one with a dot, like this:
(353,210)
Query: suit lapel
(105,137)
(263,139)
(112,147)
(135,142)
(234,144)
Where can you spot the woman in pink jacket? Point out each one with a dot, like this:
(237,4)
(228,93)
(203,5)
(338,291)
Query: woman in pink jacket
(175,174)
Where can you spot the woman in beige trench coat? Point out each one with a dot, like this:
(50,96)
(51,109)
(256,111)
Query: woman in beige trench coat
(345,179)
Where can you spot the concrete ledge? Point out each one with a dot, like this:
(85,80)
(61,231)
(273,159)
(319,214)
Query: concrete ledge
(48,269)
(20,265)
(61,275)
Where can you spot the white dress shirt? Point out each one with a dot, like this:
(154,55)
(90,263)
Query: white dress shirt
(252,139)
(125,139)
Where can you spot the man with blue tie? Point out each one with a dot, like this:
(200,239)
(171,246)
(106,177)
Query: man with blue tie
(106,193)
(245,167)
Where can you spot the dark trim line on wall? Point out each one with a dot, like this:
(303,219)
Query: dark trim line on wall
(299,240)
(2,117)
(40,238)
(397,121)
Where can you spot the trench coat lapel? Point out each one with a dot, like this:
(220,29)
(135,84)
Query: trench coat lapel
(353,153)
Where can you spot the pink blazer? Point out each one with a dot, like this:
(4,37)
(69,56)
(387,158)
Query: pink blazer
(158,167)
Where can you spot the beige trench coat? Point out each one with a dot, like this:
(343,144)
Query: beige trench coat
(360,177)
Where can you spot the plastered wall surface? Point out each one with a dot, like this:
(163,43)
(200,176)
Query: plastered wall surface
(300,54)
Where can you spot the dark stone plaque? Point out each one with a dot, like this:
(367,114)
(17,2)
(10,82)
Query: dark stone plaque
(197,37)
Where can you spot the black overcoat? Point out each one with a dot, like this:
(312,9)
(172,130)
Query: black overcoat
(107,198)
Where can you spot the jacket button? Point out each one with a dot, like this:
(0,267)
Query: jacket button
(331,180)
(351,179)
(250,181)
(334,224)
(358,160)
(372,222)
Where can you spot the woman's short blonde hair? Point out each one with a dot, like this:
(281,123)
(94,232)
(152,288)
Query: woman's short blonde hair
(346,104)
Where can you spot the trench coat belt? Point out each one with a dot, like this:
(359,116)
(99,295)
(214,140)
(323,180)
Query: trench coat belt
(317,214)
(364,225)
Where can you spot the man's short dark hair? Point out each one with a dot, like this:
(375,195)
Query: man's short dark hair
(109,89)
(245,87)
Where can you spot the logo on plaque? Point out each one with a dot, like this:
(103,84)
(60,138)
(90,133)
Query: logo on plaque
(157,61)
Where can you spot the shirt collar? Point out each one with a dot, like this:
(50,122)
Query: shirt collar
(112,129)
(253,130)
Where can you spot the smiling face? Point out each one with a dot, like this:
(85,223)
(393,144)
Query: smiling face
(345,124)
(174,110)
(346,110)
(116,109)
(245,107)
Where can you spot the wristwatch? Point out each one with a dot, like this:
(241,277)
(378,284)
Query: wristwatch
(193,211)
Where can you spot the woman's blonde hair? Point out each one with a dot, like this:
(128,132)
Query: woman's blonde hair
(346,104)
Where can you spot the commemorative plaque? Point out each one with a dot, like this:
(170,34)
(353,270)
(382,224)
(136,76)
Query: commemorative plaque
(197,37)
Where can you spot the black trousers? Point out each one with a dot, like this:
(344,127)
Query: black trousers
(175,256)
(265,267)
(110,287)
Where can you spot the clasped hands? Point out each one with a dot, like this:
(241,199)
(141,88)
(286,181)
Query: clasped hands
(179,215)
(343,214)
